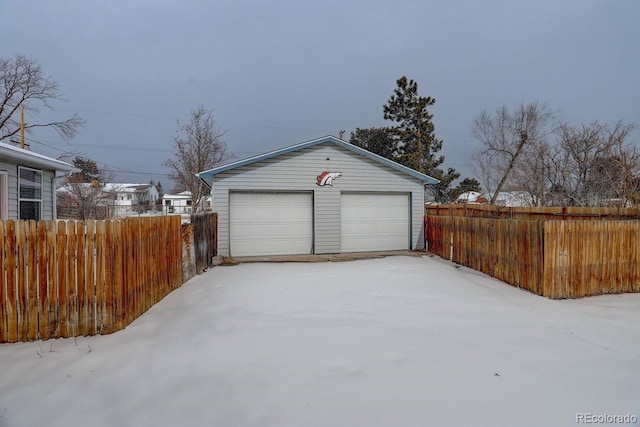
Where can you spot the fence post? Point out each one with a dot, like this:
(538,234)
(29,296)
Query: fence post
(3,319)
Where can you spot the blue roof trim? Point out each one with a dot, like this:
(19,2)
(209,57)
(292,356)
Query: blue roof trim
(206,176)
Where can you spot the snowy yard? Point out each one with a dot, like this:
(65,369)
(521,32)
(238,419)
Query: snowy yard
(399,341)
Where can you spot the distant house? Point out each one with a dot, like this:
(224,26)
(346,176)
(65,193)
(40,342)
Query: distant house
(181,203)
(473,197)
(505,198)
(130,199)
(514,199)
(177,203)
(117,199)
(83,200)
(27,183)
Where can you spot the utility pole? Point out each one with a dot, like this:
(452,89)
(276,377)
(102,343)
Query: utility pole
(22,127)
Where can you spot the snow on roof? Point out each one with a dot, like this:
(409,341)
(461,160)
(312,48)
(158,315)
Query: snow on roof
(513,198)
(469,197)
(117,187)
(35,159)
(181,195)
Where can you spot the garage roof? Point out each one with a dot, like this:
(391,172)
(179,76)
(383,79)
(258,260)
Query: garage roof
(206,176)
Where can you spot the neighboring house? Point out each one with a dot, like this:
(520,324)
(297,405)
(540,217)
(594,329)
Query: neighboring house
(27,183)
(181,203)
(114,199)
(82,200)
(472,197)
(132,199)
(505,198)
(177,203)
(514,199)
(317,197)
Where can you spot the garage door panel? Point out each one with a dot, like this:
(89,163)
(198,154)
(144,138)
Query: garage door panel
(374,222)
(270,224)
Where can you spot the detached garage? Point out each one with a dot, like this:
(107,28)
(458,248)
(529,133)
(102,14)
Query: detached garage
(317,197)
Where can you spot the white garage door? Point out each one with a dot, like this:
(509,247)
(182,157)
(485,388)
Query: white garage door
(374,222)
(270,224)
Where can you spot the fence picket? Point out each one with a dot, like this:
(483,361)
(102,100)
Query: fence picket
(52,281)
(3,286)
(72,276)
(118,249)
(101,269)
(42,290)
(81,289)
(62,252)
(90,283)
(32,280)
(22,284)
(109,314)
(10,262)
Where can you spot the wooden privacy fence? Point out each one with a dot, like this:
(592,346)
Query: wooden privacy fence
(566,213)
(552,258)
(68,278)
(205,239)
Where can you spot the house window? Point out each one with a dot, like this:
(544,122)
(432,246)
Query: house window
(29,193)
(4,196)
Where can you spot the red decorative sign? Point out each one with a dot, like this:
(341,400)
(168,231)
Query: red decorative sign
(326,178)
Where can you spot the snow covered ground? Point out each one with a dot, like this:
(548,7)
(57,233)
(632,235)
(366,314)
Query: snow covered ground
(399,341)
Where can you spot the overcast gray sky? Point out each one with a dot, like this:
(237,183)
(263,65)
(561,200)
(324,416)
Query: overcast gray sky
(280,72)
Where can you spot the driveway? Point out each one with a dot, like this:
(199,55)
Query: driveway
(401,340)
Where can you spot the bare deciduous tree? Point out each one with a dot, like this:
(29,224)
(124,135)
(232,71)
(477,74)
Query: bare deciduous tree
(24,84)
(596,165)
(83,196)
(530,171)
(505,136)
(198,147)
(556,164)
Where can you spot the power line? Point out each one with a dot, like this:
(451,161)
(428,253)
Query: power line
(107,167)
(116,113)
(239,124)
(165,175)
(130,148)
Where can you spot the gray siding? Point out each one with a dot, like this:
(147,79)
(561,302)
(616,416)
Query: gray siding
(48,188)
(297,171)
(48,193)
(327,220)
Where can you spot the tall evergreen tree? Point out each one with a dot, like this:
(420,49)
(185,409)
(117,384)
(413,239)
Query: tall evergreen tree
(464,186)
(89,170)
(380,141)
(415,130)
(417,144)
(412,141)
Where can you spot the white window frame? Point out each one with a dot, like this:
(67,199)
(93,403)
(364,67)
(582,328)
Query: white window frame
(20,199)
(4,195)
